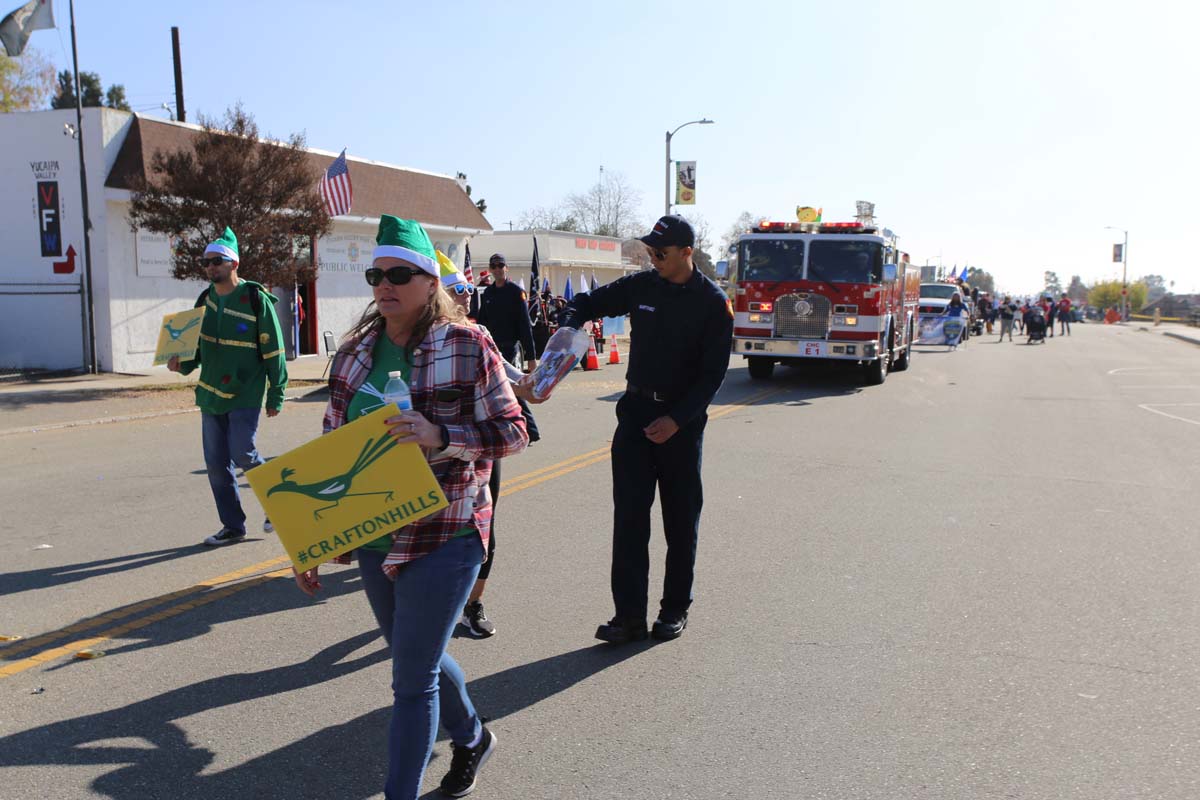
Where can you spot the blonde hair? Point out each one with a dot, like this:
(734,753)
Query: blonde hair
(441,308)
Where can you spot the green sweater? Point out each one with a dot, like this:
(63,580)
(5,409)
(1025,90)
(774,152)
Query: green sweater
(241,352)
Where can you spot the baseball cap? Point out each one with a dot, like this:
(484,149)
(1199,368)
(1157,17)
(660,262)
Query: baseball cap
(497,258)
(670,231)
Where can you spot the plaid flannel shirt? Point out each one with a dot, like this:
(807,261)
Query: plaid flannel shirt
(484,422)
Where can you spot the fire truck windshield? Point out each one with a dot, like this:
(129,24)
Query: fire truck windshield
(845,261)
(771,260)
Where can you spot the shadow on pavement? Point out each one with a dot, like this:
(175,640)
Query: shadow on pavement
(276,595)
(17,582)
(153,757)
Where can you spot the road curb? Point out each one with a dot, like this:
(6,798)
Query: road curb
(58,426)
(1182,337)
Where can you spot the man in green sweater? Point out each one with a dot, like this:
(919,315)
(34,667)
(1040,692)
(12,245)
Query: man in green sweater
(241,359)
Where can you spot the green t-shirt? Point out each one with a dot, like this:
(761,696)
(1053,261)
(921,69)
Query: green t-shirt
(387,356)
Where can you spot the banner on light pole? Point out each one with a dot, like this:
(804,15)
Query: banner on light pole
(1118,254)
(685,183)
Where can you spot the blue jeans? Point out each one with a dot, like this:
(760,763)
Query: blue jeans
(229,444)
(417,613)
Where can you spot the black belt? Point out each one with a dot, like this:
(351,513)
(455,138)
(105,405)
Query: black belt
(658,397)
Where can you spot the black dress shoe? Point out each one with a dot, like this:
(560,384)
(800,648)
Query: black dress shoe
(670,627)
(620,631)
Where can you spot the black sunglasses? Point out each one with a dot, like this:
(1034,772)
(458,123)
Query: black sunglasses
(463,288)
(215,261)
(397,276)
(656,254)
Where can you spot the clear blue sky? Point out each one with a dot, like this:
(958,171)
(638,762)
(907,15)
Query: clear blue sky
(1001,135)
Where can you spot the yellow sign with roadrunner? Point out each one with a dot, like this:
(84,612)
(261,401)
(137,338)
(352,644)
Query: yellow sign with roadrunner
(345,489)
(179,335)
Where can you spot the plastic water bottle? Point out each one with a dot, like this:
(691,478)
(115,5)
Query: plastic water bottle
(396,391)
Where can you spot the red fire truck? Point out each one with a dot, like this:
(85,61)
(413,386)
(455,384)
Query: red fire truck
(825,290)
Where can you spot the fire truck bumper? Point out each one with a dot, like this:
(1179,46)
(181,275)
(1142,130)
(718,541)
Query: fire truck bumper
(806,348)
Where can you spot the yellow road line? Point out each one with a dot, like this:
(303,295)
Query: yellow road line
(517,484)
(531,479)
(23,645)
(71,648)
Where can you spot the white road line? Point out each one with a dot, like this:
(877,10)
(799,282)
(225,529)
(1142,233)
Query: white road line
(1151,386)
(1153,409)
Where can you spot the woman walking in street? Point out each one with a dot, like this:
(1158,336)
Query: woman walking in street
(417,579)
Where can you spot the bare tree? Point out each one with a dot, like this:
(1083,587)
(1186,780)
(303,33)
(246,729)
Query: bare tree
(609,208)
(551,218)
(701,256)
(743,223)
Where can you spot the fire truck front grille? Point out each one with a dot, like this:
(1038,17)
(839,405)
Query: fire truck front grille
(802,316)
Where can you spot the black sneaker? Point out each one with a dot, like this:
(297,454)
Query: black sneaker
(669,626)
(475,621)
(620,631)
(225,536)
(268,527)
(465,763)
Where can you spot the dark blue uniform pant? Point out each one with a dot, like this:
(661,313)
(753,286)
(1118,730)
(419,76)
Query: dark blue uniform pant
(639,466)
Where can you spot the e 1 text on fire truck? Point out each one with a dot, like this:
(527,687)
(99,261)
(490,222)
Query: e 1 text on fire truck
(825,290)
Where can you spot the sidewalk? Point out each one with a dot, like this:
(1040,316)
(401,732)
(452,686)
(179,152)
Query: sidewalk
(42,403)
(1176,330)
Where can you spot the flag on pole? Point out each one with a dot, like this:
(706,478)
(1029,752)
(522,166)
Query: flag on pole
(467,273)
(545,284)
(595,285)
(568,294)
(963,276)
(16,28)
(583,287)
(535,269)
(335,187)
(521,283)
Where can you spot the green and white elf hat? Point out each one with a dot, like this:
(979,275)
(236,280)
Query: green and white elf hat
(406,239)
(225,246)
(450,273)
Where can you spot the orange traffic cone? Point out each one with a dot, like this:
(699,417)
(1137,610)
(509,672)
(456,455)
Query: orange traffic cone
(590,360)
(613,356)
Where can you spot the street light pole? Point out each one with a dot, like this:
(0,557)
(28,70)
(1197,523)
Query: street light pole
(667,183)
(1124,272)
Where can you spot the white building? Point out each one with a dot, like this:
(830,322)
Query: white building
(560,254)
(41,241)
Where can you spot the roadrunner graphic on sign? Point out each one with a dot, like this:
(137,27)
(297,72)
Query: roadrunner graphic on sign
(179,335)
(345,489)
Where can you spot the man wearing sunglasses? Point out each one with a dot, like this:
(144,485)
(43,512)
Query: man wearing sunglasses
(241,359)
(681,332)
(504,311)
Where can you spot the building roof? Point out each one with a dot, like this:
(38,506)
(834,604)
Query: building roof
(378,188)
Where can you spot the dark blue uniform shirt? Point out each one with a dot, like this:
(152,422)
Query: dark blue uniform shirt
(680,335)
(504,311)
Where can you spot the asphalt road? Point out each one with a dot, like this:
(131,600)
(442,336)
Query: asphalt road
(977,580)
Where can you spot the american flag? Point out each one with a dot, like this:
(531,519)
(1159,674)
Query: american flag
(467,272)
(335,187)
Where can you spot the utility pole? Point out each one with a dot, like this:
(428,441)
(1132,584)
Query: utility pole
(180,112)
(89,316)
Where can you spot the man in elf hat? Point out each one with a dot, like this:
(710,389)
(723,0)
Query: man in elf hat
(241,359)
